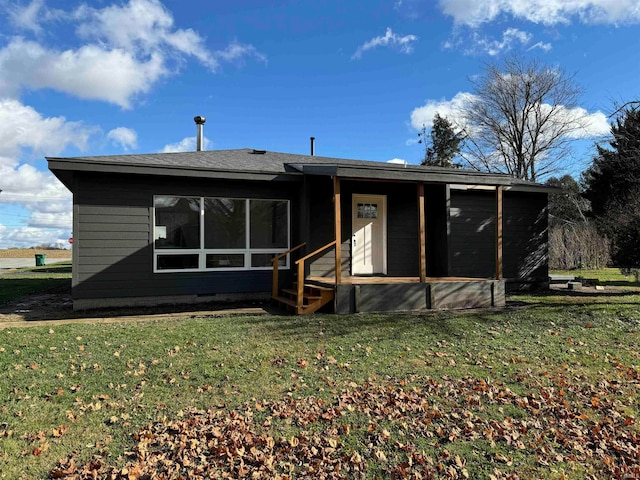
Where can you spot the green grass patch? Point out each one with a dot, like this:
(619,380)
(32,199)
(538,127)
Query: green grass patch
(26,281)
(85,390)
(606,276)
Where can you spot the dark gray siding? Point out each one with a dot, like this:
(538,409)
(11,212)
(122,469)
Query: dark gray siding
(402,224)
(525,236)
(321,227)
(473,234)
(437,229)
(114,244)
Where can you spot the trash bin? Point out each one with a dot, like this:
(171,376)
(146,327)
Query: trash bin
(40,257)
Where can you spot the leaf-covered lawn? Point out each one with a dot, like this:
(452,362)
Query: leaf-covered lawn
(545,390)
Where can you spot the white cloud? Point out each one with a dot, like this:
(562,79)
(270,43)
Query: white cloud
(474,13)
(127,49)
(236,51)
(23,127)
(542,46)
(123,137)
(389,39)
(187,144)
(146,27)
(449,109)
(91,72)
(472,42)
(31,16)
(46,200)
(24,132)
(142,26)
(398,161)
(587,125)
(27,17)
(510,37)
(52,220)
(31,236)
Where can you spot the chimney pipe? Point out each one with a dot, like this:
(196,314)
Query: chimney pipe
(313,146)
(200,135)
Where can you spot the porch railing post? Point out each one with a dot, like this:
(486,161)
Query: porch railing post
(275,285)
(423,234)
(300,293)
(499,232)
(338,229)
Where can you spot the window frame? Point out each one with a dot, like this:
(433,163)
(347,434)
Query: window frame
(202,252)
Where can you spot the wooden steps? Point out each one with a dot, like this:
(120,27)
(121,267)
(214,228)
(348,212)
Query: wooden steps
(314,297)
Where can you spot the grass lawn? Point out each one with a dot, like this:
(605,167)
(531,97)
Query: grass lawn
(606,276)
(547,389)
(26,281)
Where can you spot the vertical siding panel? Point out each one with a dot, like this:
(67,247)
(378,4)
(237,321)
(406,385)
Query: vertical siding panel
(526,254)
(473,239)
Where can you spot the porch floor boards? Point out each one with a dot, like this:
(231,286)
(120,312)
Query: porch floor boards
(361,280)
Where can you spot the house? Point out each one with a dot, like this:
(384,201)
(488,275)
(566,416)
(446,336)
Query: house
(366,236)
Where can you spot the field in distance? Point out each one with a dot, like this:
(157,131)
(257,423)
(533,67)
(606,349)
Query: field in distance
(30,252)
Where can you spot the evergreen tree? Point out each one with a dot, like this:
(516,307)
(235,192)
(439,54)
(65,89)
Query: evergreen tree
(612,185)
(443,144)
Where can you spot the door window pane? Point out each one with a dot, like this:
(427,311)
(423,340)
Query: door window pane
(177,262)
(177,222)
(367,210)
(224,223)
(269,224)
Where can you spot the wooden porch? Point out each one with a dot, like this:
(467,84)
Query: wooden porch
(393,294)
(375,293)
(383,280)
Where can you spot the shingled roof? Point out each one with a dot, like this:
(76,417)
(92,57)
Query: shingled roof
(253,164)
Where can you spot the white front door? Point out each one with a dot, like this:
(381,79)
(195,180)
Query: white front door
(369,235)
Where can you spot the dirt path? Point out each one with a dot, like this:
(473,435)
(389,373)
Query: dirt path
(57,309)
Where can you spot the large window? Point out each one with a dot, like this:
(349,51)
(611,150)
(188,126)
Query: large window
(195,233)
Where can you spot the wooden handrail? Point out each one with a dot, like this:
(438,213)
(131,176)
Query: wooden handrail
(300,264)
(303,259)
(274,261)
(279,256)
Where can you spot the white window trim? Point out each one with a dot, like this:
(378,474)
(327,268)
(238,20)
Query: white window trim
(202,252)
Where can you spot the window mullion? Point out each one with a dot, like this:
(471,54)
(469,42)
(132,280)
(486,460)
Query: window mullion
(202,257)
(247,245)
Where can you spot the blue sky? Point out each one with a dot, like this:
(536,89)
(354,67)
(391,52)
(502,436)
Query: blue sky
(113,77)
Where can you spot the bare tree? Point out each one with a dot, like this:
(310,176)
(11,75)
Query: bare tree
(521,119)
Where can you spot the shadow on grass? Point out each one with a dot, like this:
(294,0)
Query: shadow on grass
(277,324)
(585,293)
(619,283)
(15,289)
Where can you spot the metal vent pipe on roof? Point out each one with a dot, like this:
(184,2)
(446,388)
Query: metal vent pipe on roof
(200,135)
(313,145)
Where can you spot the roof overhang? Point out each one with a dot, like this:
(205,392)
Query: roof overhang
(64,168)
(420,175)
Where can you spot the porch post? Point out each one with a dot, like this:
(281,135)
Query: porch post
(499,232)
(338,229)
(422,232)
